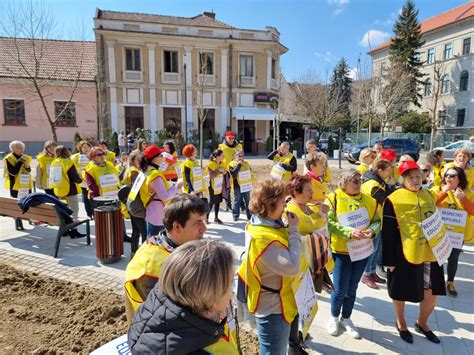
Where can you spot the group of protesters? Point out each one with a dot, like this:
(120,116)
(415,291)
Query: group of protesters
(382,223)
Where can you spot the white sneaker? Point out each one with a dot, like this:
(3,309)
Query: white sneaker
(350,328)
(333,325)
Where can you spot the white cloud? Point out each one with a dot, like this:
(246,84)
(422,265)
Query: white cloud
(388,21)
(327,56)
(338,2)
(354,73)
(338,11)
(372,38)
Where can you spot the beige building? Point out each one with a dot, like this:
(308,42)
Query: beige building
(158,71)
(447,38)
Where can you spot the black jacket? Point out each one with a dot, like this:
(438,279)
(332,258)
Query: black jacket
(380,195)
(38,198)
(161,326)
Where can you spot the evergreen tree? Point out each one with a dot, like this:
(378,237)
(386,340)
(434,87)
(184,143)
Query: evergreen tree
(340,86)
(404,50)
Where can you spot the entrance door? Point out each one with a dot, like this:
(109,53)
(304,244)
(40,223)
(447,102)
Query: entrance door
(246,129)
(133,118)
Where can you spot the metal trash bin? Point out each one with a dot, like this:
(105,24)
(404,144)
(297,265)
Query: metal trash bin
(108,229)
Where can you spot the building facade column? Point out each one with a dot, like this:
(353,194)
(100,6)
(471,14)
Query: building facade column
(152,86)
(224,91)
(269,69)
(189,88)
(113,88)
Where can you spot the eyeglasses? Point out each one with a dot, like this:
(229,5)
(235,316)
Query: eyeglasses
(356,181)
(425,170)
(452,176)
(100,155)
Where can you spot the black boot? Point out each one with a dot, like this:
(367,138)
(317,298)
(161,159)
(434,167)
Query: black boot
(19,224)
(74,233)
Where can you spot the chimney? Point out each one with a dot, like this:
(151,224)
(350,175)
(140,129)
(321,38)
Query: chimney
(209,14)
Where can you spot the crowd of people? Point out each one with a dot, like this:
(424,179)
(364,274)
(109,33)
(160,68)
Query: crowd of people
(384,223)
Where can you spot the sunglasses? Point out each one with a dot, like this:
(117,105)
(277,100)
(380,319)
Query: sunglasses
(356,181)
(425,170)
(452,176)
(100,155)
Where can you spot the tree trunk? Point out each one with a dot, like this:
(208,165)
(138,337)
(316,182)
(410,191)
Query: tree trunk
(370,131)
(201,141)
(432,136)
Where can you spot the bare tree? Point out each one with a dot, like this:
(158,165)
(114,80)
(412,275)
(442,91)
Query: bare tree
(202,112)
(313,100)
(29,26)
(432,95)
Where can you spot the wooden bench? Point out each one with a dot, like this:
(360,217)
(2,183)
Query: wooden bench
(46,214)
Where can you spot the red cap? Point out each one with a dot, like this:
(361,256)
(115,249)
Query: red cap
(229,134)
(152,151)
(388,154)
(407,165)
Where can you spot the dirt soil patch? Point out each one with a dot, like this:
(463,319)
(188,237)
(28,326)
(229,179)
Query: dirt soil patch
(43,315)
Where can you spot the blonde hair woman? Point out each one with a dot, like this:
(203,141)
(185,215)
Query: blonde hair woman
(189,310)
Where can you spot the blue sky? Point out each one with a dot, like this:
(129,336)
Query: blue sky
(317,32)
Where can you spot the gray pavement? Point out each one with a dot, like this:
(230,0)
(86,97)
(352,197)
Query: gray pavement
(453,320)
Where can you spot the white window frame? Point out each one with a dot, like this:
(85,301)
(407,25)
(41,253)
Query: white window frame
(428,61)
(246,80)
(209,79)
(170,77)
(445,57)
(133,76)
(445,84)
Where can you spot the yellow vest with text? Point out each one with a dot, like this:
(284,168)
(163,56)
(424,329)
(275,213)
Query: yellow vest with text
(110,156)
(145,193)
(147,261)
(80,165)
(97,171)
(17,184)
(212,165)
(454,203)
(170,172)
(193,164)
(127,176)
(340,203)
(62,187)
(228,153)
(411,208)
(244,166)
(320,191)
(284,160)
(261,238)
(44,163)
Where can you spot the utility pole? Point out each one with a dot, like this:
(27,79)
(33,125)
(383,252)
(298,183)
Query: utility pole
(358,99)
(185,107)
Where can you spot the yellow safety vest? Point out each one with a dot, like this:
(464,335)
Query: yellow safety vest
(110,156)
(198,181)
(44,163)
(411,208)
(23,178)
(145,194)
(127,176)
(97,172)
(227,343)
(244,166)
(59,180)
(454,203)
(284,160)
(341,203)
(395,173)
(307,224)
(438,174)
(217,179)
(362,168)
(320,192)
(261,238)
(469,175)
(367,188)
(228,153)
(147,261)
(80,160)
(170,172)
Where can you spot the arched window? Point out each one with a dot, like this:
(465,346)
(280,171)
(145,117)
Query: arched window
(428,87)
(464,81)
(445,84)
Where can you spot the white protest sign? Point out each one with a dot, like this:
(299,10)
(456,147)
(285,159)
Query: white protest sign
(442,250)
(197,185)
(163,166)
(83,159)
(218,180)
(117,346)
(277,172)
(55,176)
(197,172)
(360,249)
(306,302)
(355,219)
(246,187)
(453,217)
(456,239)
(23,192)
(108,180)
(178,170)
(245,175)
(24,179)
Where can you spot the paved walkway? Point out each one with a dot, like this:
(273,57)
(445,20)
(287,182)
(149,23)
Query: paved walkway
(453,320)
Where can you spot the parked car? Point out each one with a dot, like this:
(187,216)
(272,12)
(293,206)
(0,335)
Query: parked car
(451,148)
(400,145)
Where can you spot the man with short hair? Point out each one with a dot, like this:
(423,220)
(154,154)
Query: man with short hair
(184,220)
(228,147)
(286,160)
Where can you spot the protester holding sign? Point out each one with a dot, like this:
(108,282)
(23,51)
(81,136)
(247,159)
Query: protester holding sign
(16,170)
(228,146)
(374,185)
(183,219)
(272,264)
(242,182)
(189,310)
(45,158)
(413,273)
(158,190)
(455,203)
(284,162)
(192,173)
(172,171)
(64,178)
(353,221)
(216,170)
(81,159)
(100,175)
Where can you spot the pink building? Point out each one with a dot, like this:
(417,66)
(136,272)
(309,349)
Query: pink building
(62,69)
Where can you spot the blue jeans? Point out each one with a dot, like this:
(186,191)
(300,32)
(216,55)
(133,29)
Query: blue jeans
(153,230)
(87,202)
(345,276)
(238,198)
(372,261)
(273,334)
